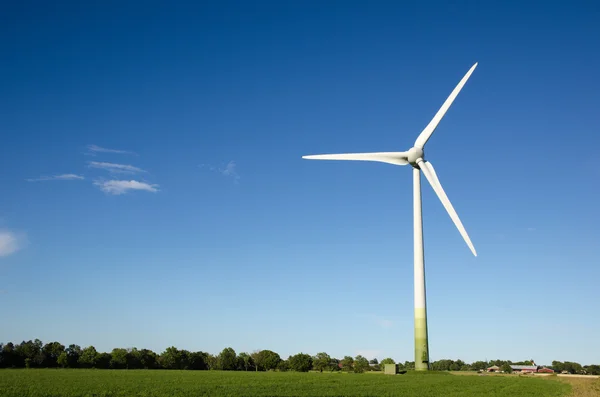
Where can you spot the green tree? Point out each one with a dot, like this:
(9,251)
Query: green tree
(408,365)
(526,362)
(266,360)
(148,359)
(558,366)
(173,358)
(211,361)
(572,368)
(322,362)
(506,368)
(443,365)
(335,364)
(361,364)
(63,360)
(88,357)
(227,360)
(347,363)
(51,352)
(38,357)
(466,367)
(245,361)
(456,365)
(185,359)
(197,361)
(269,359)
(592,369)
(73,353)
(500,363)
(118,358)
(255,359)
(30,351)
(9,358)
(134,358)
(479,365)
(103,360)
(283,366)
(300,362)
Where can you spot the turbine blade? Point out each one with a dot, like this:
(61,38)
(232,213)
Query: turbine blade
(431,176)
(428,131)
(396,158)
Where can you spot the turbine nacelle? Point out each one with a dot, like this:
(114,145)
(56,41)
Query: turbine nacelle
(413,155)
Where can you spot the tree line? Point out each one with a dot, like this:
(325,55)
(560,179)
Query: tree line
(35,354)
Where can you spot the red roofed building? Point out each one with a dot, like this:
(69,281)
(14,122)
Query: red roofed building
(546,370)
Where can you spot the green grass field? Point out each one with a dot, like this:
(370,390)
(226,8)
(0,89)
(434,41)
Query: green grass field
(147,383)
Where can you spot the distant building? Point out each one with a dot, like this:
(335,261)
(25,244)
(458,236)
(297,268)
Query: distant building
(532,368)
(524,368)
(546,370)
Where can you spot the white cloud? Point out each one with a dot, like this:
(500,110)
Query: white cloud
(230,170)
(119,168)
(98,149)
(116,187)
(531,229)
(11,242)
(62,177)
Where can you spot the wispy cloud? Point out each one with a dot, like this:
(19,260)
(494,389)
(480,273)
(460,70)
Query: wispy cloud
(98,149)
(116,168)
(61,177)
(229,171)
(11,242)
(117,187)
(531,229)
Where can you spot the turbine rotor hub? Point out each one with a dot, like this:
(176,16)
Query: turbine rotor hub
(414,154)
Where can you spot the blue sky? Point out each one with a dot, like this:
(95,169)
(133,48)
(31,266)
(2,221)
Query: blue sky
(226,237)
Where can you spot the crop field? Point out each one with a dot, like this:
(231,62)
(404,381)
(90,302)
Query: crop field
(159,383)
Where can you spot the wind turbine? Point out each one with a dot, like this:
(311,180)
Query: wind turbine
(416,158)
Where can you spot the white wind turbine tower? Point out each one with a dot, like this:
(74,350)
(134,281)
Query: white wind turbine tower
(416,158)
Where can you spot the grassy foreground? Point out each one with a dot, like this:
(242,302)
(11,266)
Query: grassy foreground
(583,387)
(148,383)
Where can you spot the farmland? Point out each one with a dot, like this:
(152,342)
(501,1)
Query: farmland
(158,383)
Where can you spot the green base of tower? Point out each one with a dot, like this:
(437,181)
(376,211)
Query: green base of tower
(421,341)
